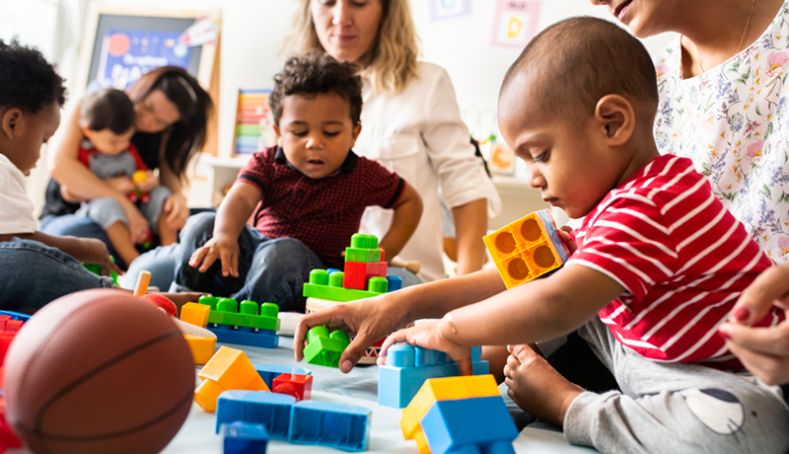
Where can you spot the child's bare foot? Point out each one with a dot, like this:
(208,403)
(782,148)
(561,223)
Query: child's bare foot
(536,386)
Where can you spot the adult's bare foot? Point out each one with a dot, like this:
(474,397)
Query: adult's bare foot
(536,386)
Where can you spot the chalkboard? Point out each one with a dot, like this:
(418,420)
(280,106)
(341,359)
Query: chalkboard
(122,44)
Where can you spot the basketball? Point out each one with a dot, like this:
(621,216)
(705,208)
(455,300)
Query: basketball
(98,371)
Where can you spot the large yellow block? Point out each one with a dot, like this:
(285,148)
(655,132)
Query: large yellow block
(227,369)
(202,347)
(196,314)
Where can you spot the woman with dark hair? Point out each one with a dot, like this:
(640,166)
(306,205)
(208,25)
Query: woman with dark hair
(171,117)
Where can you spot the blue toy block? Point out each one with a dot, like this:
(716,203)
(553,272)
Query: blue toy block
(268,372)
(477,425)
(407,367)
(244,336)
(394,283)
(244,438)
(16,315)
(258,407)
(330,424)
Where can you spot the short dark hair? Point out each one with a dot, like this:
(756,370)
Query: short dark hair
(317,73)
(108,108)
(573,63)
(27,80)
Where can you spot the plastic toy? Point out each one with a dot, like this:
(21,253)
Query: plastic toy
(270,409)
(137,195)
(408,367)
(228,369)
(268,372)
(467,414)
(298,386)
(527,248)
(196,314)
(96,269)
(202,347)
(244,438)
(246,323)
(10,324)
(325,348)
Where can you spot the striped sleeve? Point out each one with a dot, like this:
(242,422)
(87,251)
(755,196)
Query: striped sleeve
(629,243)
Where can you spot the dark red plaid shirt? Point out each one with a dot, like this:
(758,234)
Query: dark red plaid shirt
(324,213)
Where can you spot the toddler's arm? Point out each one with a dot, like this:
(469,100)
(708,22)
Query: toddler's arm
(407,211)
(86,250)
(231,217)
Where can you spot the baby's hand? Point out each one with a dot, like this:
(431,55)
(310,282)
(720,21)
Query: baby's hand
(219,247)
(566,235)
(429,335)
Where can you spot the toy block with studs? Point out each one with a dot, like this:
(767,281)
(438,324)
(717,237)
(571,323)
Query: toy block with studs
(324,348)
(244,438)
(228,369)
(328,286)
(298,386)
(245,323)
(408,367)
(526,248)
(268,372)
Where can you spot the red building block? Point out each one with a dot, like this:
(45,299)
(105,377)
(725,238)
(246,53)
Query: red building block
(298,386)
(355,275)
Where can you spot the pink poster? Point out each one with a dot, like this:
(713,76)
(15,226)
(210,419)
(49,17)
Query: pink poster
(515,22)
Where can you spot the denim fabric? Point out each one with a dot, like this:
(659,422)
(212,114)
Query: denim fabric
(269,269)
(33,274)
(160,262)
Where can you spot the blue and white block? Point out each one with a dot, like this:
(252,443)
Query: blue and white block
(244,336)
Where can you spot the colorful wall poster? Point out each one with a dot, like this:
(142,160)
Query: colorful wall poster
(516,22)
(445,9)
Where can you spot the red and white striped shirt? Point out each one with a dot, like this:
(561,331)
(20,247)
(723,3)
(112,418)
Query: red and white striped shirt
(682,258)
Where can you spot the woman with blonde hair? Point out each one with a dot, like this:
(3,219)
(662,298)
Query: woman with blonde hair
(410,123)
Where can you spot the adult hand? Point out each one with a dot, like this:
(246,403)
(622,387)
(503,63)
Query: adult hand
(219,247)
(176,212)
(763,351)
(368,320)
(93,251)
(151,181)
(122,185)
(430,335)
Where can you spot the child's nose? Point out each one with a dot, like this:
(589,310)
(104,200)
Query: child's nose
(535,178)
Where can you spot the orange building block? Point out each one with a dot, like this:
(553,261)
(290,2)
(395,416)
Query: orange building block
(196,314)
(227,369)
(202,347)
(527,248)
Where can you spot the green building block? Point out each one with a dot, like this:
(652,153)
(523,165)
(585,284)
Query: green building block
(227,311)
(353,254)
(329,287)
(364,241)
(96,269)
(324,348)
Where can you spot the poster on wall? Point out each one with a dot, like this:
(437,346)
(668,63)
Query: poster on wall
(445,9)
(254,129)
(516,22)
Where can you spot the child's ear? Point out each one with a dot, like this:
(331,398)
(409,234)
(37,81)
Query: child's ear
(11,122)
(357,129)
(616,118)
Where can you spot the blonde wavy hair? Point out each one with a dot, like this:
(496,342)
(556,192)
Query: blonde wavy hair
(392,61)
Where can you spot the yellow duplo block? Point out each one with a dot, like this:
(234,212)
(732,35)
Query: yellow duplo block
(227,369)
(202,347)
(438,389)
(195,313)
(526,248)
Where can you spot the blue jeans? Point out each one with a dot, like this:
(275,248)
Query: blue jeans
(48,273)
(269,269)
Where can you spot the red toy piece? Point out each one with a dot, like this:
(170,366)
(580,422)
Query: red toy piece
(298,386)
(162,302)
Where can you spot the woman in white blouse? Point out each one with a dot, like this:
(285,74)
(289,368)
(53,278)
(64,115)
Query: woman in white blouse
(410,123)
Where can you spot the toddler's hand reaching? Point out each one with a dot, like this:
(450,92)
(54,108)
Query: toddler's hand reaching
(219,247)
(429,335)
(566,235)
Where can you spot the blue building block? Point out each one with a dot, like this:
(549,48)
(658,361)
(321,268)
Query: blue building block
(257,407)
(477,425)
(244,336)
(330,424)
(244,438)
(407,367)
(394,283)
(268,372)
(16,315)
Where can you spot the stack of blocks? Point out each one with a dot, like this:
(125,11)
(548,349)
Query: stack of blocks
(364,276)
(527,248)
(294,381)
(10,324)
(228,369)
(407,367)
(309,422)
(246,323)
(459,414)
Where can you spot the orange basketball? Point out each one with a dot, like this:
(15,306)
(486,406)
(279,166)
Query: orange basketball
(98,371)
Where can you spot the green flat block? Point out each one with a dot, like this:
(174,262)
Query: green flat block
(335,293)
(323,348)
(226,311)
(362,255)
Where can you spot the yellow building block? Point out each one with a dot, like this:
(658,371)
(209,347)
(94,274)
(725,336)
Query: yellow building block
(438,389)
(526,248)
(202,347)
(196,314)
(227,369)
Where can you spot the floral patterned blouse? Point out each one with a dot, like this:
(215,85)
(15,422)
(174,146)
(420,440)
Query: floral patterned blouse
(733,122)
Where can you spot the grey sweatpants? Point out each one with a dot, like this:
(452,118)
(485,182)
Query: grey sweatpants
(106,211)
(674,408)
